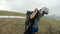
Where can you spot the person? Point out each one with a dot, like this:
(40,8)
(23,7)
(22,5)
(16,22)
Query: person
(33,20)
(35,16)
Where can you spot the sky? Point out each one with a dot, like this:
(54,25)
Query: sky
(24,5)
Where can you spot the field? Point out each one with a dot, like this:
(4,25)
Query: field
(11,26)
(49,26)
(16,26)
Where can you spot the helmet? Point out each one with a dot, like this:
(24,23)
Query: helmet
(44,9)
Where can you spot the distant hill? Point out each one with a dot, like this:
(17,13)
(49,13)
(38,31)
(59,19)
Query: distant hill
(54,16)
(10,13)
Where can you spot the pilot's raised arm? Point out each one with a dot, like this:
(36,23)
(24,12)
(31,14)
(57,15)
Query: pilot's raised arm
(34,13)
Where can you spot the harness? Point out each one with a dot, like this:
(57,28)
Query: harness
(27,22)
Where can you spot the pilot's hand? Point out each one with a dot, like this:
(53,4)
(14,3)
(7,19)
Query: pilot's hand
(36,10)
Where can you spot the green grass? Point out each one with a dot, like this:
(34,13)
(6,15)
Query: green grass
(10,13)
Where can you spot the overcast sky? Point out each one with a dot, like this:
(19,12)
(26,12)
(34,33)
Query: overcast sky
(24,5)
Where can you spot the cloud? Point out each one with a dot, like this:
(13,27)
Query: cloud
(4,6)
(24,5)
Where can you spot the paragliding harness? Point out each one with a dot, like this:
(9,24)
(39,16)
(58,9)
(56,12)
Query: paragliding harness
(28,24)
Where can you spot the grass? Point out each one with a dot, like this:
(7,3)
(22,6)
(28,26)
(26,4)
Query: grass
(10,13)
(11,26)
(49,26)
(16,26)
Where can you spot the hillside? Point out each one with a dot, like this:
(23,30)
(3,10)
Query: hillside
(16,26)
(10,13)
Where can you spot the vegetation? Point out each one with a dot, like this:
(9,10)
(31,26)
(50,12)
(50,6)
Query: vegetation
(49,26)
(16,26)
(10,13)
